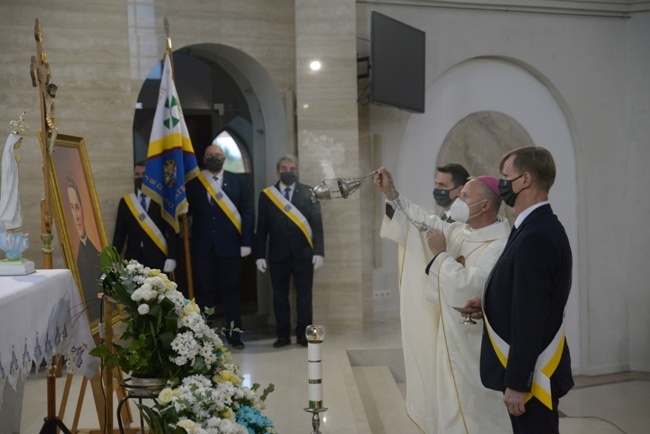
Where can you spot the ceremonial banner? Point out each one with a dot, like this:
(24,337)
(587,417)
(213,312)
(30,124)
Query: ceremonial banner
(170,158)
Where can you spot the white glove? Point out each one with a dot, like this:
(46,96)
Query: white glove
(261,265)
(317,260)
(170,265)
(245,251)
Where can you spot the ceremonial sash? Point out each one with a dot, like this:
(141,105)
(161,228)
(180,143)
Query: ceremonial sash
(290,211)
(545,365)
(145,222)
(222,199)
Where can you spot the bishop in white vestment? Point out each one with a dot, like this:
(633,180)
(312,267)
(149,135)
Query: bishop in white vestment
(444,391)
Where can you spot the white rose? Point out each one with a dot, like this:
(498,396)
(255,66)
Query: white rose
(143,309)
(165,396)
(149,294)
(137,295)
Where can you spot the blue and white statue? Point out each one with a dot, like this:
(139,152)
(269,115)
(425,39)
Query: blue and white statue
(12,241)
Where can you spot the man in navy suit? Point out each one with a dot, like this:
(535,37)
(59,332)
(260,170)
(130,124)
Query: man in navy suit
(524,351)
(149,239)
(293,225)
(221,209)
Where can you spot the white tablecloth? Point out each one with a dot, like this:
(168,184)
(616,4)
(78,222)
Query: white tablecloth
(42,315)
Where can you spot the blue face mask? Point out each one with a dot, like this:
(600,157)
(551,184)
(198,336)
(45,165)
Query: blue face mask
(505,191)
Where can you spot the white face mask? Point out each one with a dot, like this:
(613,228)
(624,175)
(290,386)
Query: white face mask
(459,210)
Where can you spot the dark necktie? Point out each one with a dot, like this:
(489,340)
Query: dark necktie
(143,201)
(216,179)
(287,190)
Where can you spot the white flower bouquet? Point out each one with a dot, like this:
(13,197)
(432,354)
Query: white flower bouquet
(202,405)
(168,337)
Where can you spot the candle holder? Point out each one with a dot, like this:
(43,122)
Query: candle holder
(315,419)
(315,335)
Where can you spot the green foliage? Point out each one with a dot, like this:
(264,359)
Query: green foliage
(161,420)
(148,336)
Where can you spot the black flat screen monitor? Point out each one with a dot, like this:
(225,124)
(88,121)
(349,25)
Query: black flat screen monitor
(397,64)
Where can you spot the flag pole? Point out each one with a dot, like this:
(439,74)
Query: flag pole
(184,225)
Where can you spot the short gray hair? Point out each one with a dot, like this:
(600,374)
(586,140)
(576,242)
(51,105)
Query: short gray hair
(287,157)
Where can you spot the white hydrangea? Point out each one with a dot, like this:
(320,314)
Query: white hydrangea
(208,407)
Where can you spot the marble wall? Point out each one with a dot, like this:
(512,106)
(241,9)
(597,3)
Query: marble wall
(87,47)
(328,145)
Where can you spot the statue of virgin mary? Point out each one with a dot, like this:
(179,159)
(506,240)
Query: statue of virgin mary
(12,241)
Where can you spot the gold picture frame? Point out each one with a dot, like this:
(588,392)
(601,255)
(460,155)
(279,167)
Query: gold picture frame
(78,219)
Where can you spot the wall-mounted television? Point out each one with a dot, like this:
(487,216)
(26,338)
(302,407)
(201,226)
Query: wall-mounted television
(397,63)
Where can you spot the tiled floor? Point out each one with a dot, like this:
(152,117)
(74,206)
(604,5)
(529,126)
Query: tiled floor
(356,397)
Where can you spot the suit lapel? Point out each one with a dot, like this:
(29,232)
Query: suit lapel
(225,185)
(542,210)
(296,192)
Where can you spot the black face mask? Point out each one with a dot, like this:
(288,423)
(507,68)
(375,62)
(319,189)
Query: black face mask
(214,164)
(442,197)
(138,183)
(288,178)
(505,191)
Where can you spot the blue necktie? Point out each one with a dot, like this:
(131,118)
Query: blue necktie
(143,201)
(287,190)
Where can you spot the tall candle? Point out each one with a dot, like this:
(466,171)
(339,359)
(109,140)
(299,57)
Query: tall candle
(315,335)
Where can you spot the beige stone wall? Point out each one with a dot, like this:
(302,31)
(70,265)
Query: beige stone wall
(100,53)
(87,47)
(328,146)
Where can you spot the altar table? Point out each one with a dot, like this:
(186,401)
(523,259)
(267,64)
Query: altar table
(41,315)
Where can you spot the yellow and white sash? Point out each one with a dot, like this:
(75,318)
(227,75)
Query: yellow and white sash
(290,211)
(545,365)
(222,199)
(145,222)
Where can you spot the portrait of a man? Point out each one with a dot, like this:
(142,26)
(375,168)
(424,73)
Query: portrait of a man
(86,254)
(80,228)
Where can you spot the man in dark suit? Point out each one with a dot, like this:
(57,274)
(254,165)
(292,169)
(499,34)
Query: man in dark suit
(149,239)
(524,352)
(221,209)
(293,225)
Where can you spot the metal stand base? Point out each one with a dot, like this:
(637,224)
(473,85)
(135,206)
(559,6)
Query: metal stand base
(51,425)
(315,418)
(138,392)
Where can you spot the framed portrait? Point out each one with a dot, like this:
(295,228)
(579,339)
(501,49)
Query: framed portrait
(78,219)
